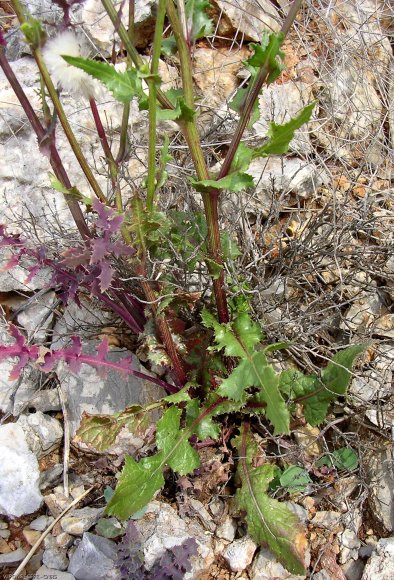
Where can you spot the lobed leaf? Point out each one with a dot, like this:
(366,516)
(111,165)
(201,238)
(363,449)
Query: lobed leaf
(123,85)
(270,522)
(137,485)
(178,453)
(335,379)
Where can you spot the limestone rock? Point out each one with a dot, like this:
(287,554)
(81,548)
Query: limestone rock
(19,473)
(43,433)
(380,566)
(94,559)
(239,554)
(247,18)
(380,476)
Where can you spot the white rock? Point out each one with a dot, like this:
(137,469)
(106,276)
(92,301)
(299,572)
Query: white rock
(375,382)
(81,520)
(380,476)
(41,523)
(349,544)
(161,528)
(19,473)
(43,433)
(380,566)
(239,554)
(248,18)
(226,530)
(37,317)
(276,175)
(266,567)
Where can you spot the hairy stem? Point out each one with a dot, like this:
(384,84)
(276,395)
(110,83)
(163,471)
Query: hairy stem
(132,52)
(154,69)
(40,131)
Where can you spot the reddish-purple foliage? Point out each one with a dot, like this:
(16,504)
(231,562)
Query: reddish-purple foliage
(174,563)
(66,5)
(72,355)
(20,350)
(131,555)
(2,39)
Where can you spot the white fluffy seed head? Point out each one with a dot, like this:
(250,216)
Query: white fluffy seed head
(65,76)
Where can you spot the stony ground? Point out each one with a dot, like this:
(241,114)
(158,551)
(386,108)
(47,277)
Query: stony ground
(316,238)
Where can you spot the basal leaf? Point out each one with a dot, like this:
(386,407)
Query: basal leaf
(123,85)
(295,479)
(137,485)
(335,379)
(293,383)
(280,136)
(270,522)
(174,445)
(245,334)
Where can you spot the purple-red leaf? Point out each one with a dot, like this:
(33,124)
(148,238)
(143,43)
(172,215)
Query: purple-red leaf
(106,276)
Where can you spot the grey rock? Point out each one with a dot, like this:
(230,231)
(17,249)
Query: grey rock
(380,476)
(64,540)
(12,558)
(353,569)
(322,575)
(101,30)
(239,554)
(380,566)
(37,317)
(19,473)
(81,520)
(288,175)
(43,433)
(161,528)
(374,382)
(227,529)
(248,18)
(55,558)
(91,393)
(94,559)
(44,400)
(44,573)
(266,567)
(51,476)
(349,544)
(326,519)
(41,523)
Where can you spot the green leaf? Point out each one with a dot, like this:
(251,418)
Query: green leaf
(242,158)
(240,339)
(137,485)
(270,522)
(123,85)
(34,34)
(236,182)
(181,111)
(198,23)
(344,458)
(267,54)
(58,186)
(335,379)
(230,249)
(295,479)
(168,46)
(179,454)
(180,396)
(246,334)
(293,383)
(280,136)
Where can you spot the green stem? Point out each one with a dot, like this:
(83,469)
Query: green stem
(152,84)
(132,53)
(189,129)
